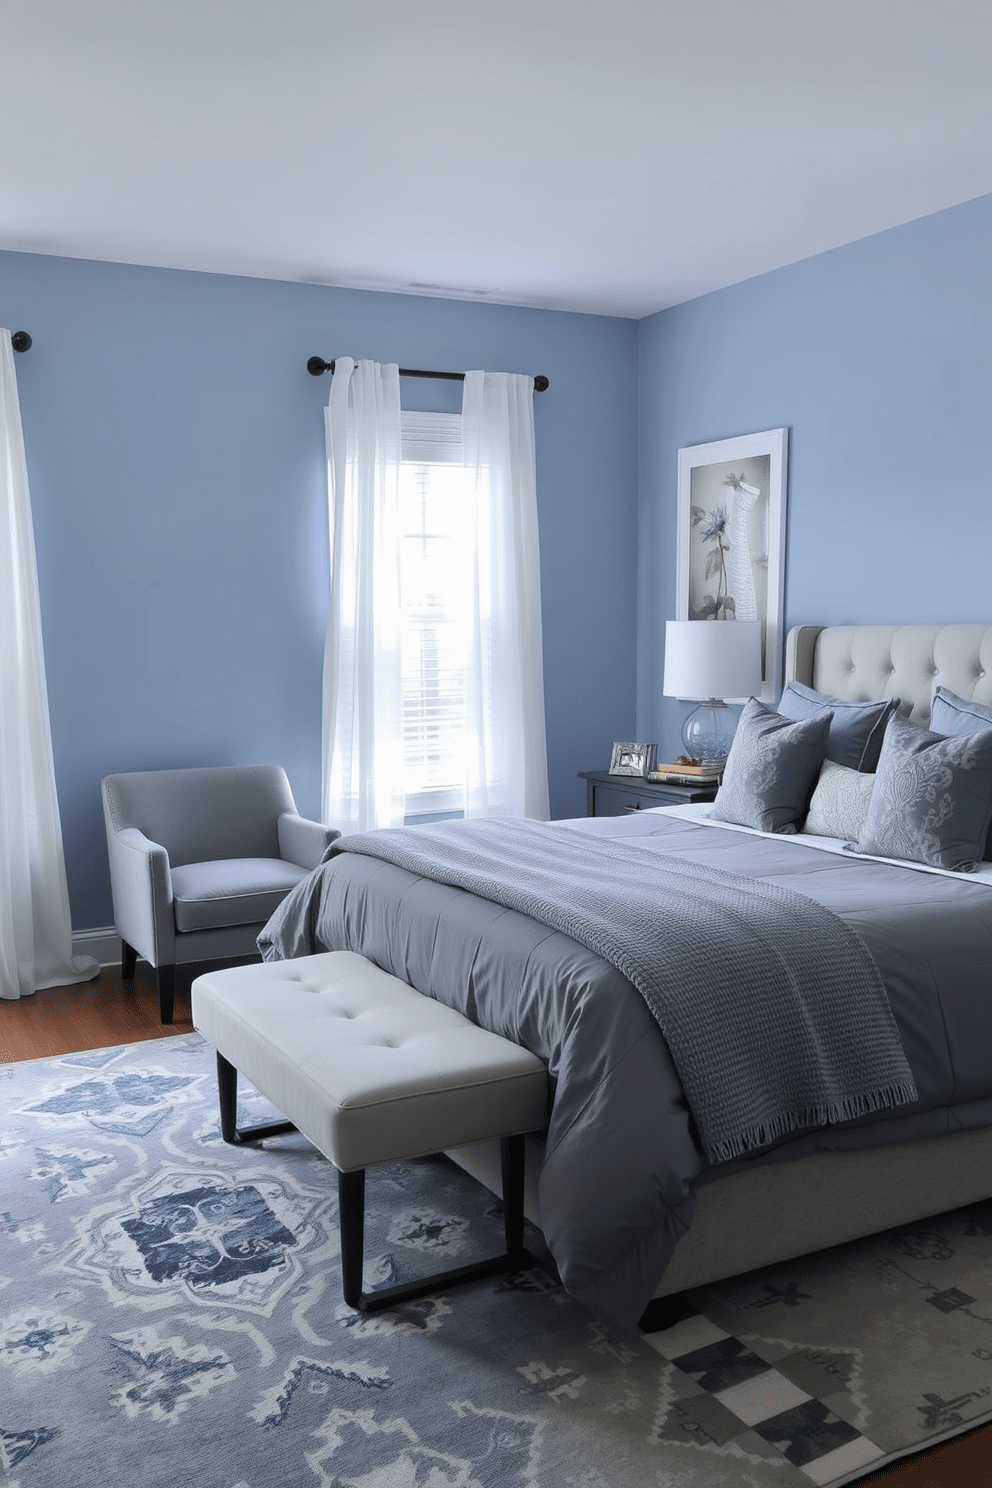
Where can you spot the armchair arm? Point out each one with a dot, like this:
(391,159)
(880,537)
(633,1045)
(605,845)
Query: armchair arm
(141,882)
(303,842)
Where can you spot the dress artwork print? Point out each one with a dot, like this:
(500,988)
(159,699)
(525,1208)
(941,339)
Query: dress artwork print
(728,551)
(731,538)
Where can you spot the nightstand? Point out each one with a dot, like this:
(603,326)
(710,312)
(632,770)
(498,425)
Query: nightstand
(615,795)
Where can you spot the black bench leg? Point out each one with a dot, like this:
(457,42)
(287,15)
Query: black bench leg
(512,1156)
(129,960)
(351,1218)
(512,1153)
(351,1215)
(166,979)
(227,1090)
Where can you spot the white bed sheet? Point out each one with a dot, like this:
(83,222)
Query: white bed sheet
(607,826)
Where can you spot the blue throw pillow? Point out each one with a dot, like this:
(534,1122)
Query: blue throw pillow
(932,799)
(856,729)
(950,714)
(771,769)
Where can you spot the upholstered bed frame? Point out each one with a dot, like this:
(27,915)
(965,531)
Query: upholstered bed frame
(772,1213)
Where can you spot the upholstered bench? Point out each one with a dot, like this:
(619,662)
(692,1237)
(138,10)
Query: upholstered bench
(371,1071)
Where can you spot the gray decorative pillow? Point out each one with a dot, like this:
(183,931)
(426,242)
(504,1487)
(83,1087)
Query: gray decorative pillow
(950,714)
(932,800)
(840,802)
(770,769)
(856,729)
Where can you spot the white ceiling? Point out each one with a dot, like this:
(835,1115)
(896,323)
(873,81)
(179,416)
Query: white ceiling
(612,156)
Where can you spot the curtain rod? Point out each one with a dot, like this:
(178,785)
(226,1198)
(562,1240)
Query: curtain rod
(21,341)
(316,366)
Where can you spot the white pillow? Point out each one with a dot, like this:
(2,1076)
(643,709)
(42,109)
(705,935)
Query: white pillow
(840,802)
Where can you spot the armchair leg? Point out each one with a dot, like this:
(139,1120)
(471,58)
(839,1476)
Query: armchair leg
(166,979)
(129,960)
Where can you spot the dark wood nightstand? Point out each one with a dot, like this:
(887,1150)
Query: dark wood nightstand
(615,795)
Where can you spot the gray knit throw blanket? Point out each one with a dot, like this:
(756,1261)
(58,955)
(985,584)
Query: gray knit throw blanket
(775,1014)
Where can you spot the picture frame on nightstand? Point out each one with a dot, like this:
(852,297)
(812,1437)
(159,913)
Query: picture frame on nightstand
(632,759)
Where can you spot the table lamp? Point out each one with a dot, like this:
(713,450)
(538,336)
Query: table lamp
(711,660)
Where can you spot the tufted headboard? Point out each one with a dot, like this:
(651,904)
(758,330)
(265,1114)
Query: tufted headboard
(858,662)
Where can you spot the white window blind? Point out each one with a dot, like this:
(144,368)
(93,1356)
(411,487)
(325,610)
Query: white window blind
(436,583)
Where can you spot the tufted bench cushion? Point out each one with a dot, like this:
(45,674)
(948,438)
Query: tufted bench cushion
(367,1068)
(371,1071)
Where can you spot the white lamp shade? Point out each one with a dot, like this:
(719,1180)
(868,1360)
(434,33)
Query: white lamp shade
(712,658)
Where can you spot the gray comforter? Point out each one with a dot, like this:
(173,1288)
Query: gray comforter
(623,1155)
(727,965)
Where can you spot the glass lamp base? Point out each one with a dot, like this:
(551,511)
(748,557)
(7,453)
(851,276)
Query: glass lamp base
(708,733)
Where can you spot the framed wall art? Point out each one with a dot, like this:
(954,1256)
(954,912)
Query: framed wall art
(731,538)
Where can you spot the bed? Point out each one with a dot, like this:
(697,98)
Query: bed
(675,1217)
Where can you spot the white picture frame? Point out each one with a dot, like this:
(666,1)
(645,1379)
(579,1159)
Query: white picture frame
(731,538)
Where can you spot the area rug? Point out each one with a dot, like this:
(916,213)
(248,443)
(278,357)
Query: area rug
(170,1310)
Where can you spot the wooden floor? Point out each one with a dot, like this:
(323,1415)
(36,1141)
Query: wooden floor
(92,1015)
(110,1011)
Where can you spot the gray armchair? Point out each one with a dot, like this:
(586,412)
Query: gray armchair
(199,859)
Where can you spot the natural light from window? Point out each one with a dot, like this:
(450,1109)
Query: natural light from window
(437,566)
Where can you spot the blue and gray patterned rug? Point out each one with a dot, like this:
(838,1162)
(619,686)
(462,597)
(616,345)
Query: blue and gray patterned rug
(170,1309)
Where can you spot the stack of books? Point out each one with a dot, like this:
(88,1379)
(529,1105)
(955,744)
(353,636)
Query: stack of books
(679,774)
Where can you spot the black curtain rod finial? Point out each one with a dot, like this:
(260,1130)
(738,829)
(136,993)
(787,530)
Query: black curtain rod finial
(21,341)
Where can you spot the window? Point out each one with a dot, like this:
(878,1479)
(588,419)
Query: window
(436,584)
(433,690)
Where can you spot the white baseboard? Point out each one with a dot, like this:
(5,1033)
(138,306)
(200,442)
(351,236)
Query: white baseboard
(103,944)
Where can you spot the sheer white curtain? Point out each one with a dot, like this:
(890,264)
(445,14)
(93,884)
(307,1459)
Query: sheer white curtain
(502,729)
(363,690)
(35,927)
(506,764)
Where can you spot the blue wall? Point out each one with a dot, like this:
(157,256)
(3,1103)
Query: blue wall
(876,357)
(175,451)
(175,447)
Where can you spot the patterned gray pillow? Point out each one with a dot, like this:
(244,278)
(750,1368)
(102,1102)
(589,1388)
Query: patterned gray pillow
(951,714)
(840,802)
(932,801)
(856,729)
(770,770)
